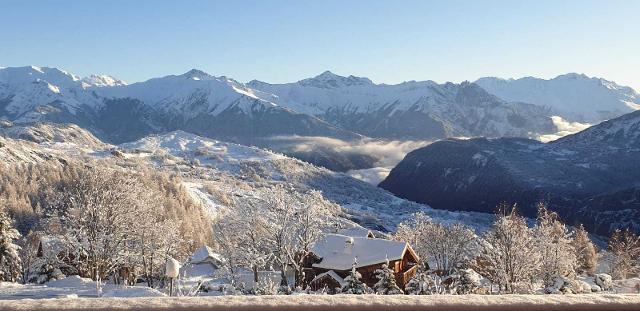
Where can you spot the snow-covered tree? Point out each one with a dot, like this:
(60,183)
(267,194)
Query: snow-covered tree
(294,221)
(468,282)
(586,252)
(386,284)
(420,284)
(45,269)
(554,245)
(241,236)
(112,221)
(153,241)
(624,249)
(448,247)
(314,215)
(353,283)
(508,256)
(10,263)
(414,231)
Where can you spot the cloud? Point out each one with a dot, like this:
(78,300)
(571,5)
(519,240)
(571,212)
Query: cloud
(373,175)
(388,153)
(564,128)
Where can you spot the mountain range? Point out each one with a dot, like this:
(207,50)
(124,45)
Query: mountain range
(574,97)
(588,177)
(328,105)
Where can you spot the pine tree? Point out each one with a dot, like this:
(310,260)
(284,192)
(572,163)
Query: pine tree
(386,284)
(354,284)
(586,252)
(468,282)
(10,263)
(420,284)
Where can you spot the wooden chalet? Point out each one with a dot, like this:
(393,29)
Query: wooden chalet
(336,254)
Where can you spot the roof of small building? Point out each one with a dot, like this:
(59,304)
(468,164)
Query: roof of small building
(338,252)
(356,231)
(332,274)
(205,253)
(52,245)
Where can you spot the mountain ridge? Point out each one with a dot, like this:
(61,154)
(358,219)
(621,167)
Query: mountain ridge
(478,174)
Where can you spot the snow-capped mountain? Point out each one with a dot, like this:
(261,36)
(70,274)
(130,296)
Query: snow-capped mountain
(216,107)
(569,174)
(31,93)
(101,81)
(410,110)
(575,97)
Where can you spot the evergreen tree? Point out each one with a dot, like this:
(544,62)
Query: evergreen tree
(586,252)
(354,284)
(468,282)
(386,281)
(10,263)
(420,284)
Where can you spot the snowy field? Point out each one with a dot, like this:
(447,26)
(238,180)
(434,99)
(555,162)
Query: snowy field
(339,302)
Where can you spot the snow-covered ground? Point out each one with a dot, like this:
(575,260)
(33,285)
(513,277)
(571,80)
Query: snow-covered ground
(341,302)
(72,287)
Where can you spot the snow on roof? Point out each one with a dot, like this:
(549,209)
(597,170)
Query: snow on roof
(331,274)
(339,251)
(355,231)
(205,253)
(52,245)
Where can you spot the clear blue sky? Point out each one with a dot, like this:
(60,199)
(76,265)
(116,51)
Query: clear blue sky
(282,41)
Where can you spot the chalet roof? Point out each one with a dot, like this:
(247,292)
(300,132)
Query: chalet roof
(205,254)
(332,274)
(356,231)
(339,251)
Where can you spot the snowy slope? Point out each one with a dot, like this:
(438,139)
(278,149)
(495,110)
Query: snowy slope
(206,158)
(418,110)
(214,171)
(575,97)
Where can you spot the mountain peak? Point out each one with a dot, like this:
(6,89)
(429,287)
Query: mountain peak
(573,76)
(328,74)
(102,81)
(330,80)
(196,74)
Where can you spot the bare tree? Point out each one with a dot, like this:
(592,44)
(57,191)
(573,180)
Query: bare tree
(624,248)
(449,247)
(554,244)
(508,256)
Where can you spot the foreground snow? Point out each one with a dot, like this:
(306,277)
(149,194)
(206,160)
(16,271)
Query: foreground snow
(72,287)
(342,302)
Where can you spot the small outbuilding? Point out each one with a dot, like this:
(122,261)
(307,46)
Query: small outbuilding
(203,262)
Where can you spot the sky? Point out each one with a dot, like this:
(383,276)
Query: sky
(285,41)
